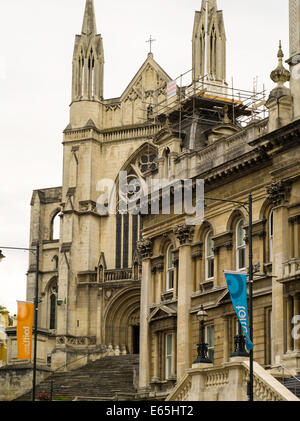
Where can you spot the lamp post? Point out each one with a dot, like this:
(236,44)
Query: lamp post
(202,346)
(249,208)
(35,251)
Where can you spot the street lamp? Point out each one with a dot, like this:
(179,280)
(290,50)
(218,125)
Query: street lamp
(249,208)
(35,251)
(202,346)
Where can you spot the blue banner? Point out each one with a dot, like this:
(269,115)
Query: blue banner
(237,286)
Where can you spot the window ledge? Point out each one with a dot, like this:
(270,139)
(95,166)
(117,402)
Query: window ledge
(207,284)
(167,295)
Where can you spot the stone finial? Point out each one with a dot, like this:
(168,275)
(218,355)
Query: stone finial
(280,75)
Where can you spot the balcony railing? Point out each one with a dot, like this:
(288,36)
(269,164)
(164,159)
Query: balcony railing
(291,268)
(117,275)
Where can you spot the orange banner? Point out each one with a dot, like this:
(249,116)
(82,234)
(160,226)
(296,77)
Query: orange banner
(24,330)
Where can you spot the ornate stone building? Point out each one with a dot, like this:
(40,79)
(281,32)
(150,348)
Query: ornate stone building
(125,283)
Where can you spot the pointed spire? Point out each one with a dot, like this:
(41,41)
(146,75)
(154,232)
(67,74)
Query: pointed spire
(212,4)
(89,20)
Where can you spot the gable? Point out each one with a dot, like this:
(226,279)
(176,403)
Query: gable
(162,312)
(150,77)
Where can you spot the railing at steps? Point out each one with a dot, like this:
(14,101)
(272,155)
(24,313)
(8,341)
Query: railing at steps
(285,369)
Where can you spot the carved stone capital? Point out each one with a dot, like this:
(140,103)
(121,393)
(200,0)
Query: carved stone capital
(144,248)
(278,192)
(184,233)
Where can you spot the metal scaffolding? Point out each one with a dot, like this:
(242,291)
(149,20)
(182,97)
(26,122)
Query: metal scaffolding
(208,100)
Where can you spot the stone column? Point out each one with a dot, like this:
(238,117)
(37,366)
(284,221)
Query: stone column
(156,357)
(289,316)
(278,193)
(184,234)
(144,248)
(99,337)
(296,313)
(225,339)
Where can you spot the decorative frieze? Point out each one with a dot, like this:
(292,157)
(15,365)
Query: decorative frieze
(76,340)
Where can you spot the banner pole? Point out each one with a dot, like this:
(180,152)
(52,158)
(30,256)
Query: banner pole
(250,391)
(36,303)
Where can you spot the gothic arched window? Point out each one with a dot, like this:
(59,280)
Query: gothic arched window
(55,227)
(52,304)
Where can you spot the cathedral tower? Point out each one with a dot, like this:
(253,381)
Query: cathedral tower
(88,69)
(209,43)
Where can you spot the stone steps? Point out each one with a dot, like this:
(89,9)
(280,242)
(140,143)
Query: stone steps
(98,380)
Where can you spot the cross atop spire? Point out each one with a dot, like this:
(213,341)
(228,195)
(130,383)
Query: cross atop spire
(150,41)
(89,20)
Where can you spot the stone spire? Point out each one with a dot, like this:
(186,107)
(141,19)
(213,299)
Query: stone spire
(89,20)
(88,59)
(209,43)
(212,4)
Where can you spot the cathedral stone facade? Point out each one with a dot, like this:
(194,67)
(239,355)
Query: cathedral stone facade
(113,284)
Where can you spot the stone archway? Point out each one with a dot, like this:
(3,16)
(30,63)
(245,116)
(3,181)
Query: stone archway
(121,321)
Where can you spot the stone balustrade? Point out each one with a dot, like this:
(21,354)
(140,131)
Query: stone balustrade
(228,383)
(117,275)
(291,268)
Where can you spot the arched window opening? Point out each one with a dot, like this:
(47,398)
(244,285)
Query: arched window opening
(240,246)
(169,269)
(55,231)
(82,77)
(167,162)
(209,256)
(52,311)
(52,304)
(271,234)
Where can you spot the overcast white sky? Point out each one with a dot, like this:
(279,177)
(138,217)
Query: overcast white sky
(37,39)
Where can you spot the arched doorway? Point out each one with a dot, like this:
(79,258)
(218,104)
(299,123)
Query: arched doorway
(122,320)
